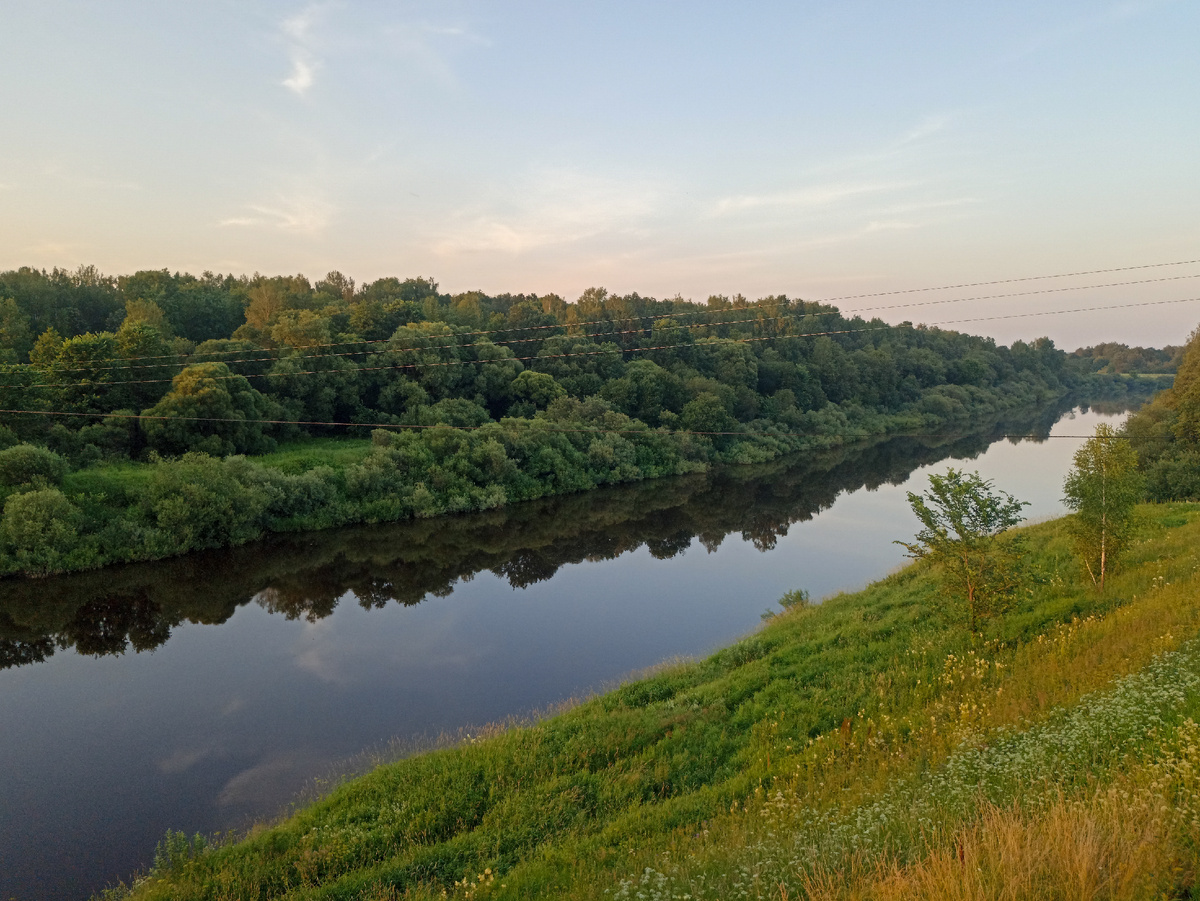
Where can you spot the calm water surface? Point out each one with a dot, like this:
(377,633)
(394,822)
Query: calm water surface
(263,667)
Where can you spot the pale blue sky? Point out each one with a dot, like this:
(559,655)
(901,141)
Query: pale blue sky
(659,147)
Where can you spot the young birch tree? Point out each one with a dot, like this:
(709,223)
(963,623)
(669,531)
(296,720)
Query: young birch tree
(1102,489)
(963,518)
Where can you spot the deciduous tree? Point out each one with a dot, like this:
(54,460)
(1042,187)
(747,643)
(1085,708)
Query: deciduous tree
(963,518)
(1102,489)
(212,410)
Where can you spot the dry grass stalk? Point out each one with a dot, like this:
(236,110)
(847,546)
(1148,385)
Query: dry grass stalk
(1105,849)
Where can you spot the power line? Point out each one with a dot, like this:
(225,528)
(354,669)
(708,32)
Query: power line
(695,325)
(401,349)
(734,310)
(599,352)
(1007,281)
(543,426)
(1119,306)
(926,303)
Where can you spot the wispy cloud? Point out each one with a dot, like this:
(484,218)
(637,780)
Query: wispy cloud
(182,760)
(304,215)
(552,207)
(934,204)
(899,153)
(265,784)
(929,125)
(457,31)
(804,198)
(62,171)
(324,666)
(894,225)
(298,31)
(423,46)
(426,46)
(55,249)
(1112,15)
(304,73)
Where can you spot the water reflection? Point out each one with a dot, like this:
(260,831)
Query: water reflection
(306,576)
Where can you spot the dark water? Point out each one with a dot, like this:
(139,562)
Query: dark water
(200,693)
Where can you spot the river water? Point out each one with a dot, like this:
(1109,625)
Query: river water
(201,693)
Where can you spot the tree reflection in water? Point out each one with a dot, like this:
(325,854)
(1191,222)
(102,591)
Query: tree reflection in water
(110,611)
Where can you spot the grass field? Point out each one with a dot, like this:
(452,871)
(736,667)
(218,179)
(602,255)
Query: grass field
(301,456)
(864,747)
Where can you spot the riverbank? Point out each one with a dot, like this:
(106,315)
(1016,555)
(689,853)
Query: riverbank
(778,760)
(305,574)
(59,521)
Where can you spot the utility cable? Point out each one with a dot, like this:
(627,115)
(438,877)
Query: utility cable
(759,319)
(401,349)
(542,425)
(599,352)
(759,304)
(1007,281)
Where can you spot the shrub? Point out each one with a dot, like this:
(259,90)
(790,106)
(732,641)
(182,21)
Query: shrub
(199,502)
(39,530)
(26,464)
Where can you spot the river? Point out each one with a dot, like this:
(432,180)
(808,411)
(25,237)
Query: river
(201,693)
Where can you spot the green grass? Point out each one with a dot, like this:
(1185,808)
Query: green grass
(112,486)
(301,456)
(709,773)
(113,480)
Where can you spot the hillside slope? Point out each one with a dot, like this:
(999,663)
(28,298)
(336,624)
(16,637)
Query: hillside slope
(854,748)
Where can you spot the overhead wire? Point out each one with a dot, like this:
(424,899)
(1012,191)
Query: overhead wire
(1007,281)
(403,349)
(694,325)
(535,425)
(742,309)
(598,352)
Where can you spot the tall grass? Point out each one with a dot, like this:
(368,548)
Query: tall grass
(864,732)
(1137,837)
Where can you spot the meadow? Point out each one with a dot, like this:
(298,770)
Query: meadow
(866,746)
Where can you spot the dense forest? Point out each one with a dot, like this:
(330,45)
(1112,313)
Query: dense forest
(1166,433)
(130,404)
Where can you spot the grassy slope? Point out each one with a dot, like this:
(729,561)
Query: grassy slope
(708,772)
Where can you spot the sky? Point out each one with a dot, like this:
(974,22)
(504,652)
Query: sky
(818,150)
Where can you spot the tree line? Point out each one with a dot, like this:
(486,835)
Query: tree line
(1166,433)
(1114,357)
(475,400)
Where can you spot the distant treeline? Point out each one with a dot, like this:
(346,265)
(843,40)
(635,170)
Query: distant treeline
(1121,358)
(1166,433)
(475,400)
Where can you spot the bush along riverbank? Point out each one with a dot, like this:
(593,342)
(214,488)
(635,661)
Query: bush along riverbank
(868,746)
(59,519)
(308,574)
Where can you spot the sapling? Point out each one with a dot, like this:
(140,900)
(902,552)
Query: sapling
(963,519)
(1102,489)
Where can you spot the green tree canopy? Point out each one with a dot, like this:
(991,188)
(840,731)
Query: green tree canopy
(27,464)
(962,517)
(1184,397)
(198,502)
(1102,489)
(211,410)
(39,529)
